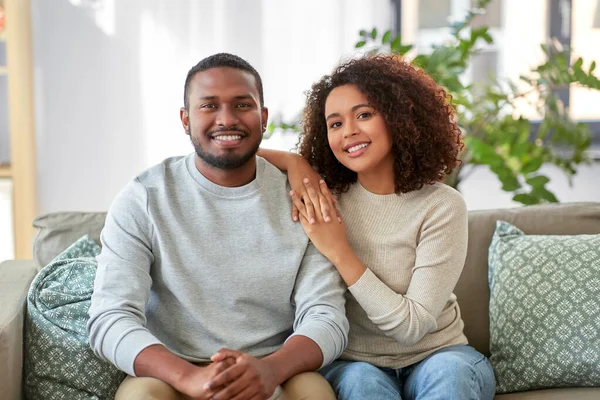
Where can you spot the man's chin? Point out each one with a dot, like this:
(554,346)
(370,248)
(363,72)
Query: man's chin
(227,162)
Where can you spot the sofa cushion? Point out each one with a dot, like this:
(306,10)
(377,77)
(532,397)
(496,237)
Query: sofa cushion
(544,310)
(472,289)
(57,231)
(59,362)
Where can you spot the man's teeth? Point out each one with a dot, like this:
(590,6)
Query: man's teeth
(226,138)
(357,147)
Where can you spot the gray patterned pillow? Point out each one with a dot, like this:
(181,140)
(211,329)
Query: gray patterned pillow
(544,310)
(59,363)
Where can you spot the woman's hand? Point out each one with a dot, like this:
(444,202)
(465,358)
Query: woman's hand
(328,238)
(300,172)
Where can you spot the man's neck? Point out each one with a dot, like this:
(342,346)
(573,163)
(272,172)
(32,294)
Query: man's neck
(228,177)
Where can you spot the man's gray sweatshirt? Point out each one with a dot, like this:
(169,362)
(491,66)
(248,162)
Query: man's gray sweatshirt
(196,267)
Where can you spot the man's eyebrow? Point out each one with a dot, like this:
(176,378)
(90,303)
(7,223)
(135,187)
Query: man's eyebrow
(356,107)
(240,97)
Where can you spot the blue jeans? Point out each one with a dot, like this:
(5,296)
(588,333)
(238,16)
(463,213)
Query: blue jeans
(456,372)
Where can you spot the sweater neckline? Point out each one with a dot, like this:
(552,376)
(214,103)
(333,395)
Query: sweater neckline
(224,191)
(359,190)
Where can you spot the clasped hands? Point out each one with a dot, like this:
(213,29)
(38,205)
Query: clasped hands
(233,375)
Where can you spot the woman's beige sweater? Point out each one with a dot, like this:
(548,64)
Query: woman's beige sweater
(414,246)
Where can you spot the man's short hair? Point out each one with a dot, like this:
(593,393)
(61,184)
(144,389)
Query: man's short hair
(222,60)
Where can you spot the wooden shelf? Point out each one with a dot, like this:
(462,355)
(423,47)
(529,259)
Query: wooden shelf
(5,171)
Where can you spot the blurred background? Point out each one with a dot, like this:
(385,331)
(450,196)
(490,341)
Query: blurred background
(90,90)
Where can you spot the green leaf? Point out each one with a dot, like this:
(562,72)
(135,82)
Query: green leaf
(396,44)
(578,64)
(374,33)
(362,33)
(386,37)
(592,67)
(532,165)
(537,181)
(525,198)
(360,44)
(544,194)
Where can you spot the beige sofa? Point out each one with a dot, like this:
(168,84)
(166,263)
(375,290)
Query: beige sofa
(57,231)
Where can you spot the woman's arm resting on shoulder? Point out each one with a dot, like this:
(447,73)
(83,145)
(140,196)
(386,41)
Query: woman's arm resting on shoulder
(298,171)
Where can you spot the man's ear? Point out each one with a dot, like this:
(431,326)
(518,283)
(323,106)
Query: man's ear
(265,118)
(185,119)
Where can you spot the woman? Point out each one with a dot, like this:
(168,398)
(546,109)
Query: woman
(382,135)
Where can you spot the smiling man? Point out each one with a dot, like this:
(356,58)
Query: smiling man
(205,287)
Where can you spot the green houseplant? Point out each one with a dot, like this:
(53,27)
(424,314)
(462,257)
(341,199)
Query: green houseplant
(495,133)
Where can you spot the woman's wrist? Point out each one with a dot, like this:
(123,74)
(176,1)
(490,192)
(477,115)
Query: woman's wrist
(349,266)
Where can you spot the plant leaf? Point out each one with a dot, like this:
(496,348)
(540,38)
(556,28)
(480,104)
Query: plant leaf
(386,37)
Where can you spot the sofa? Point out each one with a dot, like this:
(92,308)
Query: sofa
(57,231)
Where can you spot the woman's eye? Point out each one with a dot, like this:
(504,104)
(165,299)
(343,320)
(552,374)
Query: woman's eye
(335,125)
(364,115)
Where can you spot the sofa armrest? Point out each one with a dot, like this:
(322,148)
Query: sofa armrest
(15,278)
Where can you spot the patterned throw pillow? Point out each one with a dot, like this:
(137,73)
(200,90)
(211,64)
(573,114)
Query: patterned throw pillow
(544,310)
(59,363)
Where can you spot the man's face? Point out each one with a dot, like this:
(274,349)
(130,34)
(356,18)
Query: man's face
(225,120)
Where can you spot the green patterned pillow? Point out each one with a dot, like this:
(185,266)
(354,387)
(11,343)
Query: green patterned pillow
(544,310)
(59,363)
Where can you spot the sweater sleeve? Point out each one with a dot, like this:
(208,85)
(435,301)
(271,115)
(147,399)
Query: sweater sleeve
(440,256)
(117,324)
(319,301)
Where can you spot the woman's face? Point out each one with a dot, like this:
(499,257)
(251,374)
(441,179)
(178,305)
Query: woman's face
(357,133)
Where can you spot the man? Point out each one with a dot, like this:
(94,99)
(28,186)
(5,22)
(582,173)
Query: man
(200,253)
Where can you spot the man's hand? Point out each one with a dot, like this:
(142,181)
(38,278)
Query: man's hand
(194,383)
(250,377)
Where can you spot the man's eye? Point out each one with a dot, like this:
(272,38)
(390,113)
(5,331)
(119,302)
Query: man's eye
(243,105)
(209,105)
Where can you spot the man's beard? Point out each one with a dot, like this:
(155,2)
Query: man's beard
(228,161)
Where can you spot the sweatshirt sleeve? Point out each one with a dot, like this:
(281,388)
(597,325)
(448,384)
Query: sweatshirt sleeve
(320,305)
(440,256)
(117,324)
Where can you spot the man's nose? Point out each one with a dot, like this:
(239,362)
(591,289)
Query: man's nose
(227,117)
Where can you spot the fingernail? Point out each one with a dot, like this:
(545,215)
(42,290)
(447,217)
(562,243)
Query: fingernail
(295,218)
(305,180)
(312,220)
(291,192)
(206,386)
(339,220)
(327,219)
(321,181)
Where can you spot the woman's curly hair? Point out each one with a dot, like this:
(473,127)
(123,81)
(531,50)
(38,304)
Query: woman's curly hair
(417,112)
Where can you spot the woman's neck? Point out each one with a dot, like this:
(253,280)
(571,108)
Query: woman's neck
(377,182)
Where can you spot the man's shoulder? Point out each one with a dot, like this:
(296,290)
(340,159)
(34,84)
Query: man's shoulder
(162,171)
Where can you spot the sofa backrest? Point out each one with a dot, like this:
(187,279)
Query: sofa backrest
(57,231)
(472,290)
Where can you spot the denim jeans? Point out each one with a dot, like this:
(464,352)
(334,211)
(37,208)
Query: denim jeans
(456,372)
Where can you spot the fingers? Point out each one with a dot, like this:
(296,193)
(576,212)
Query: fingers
(224,353)
(314,201)
(237,391)
(329,196)
(225,378)
(297,206)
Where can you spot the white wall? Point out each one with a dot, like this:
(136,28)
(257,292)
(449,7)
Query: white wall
(109,81)
(109,77)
